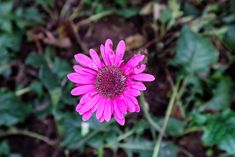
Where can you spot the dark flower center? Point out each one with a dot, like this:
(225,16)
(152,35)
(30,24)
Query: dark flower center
(110,82)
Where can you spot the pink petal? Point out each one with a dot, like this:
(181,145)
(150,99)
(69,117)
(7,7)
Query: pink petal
(84,71)
(86,116)
(96,106)
(91,103)
(137,108)
(107,111)
(109,52)
(79,107)
(100,109)
(101,119)
(80,79)
(85,61)
(134,61)
(133,99)
(133,92)
(82,90)
(121,105)
(120,50)
(120,121)
(139,69)
(130,104)
(103,54)
(96,58)
(86,97)
(138,86)
(117,111)
(143,77)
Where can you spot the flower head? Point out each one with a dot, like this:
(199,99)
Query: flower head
(108,86)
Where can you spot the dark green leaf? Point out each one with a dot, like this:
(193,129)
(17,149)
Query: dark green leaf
(61,68)
(51,82)
(222,95)
(36,60)
(70,129)
(5,150)
(165,16)
(175,127)
(12,109)
(220,130)
(11,41)
(49,79)
(230,37)
(194,53)
(128,12)
(145,148)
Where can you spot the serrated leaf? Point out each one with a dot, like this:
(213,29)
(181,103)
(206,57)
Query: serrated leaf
(194,53)
(11,41)
(51,82)
(61,67)
(55,95)
(222,95)
(175,127)
(220,130)
(36,60)
(12,109)
(144,148)
(230,37)
(49,79)
(5,150)
(70,129)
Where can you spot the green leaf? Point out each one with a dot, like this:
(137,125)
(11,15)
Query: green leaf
(36,60)
(70,129)
(230,37)
(5,150)
(61,68)
(144,148)
(222,95)
(11,41)
(55,95)
(12,109)
(194,53)
(51,82)
(175,127)
(49,79)
(220,130)
(128,12)
(165,16)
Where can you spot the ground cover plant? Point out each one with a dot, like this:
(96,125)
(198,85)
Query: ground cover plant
(188,110)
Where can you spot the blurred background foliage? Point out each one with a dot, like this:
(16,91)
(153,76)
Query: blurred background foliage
(191,45)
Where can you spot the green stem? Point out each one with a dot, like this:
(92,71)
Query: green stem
(23,91)
(179,95)
(96,17)
(147,114)
(167,117)
(100,152)
(92,134)
(14,131)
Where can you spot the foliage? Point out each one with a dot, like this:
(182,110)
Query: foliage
(194,53)
(195,47)
(219,130)
(12,109)
(5,151)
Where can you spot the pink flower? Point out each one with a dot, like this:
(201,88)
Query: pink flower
(108,86)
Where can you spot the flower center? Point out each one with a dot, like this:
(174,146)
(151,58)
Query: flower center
(110,82)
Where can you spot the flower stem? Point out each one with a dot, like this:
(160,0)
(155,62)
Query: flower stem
(14,131)
(167,117)
(147,114)
(23,91)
